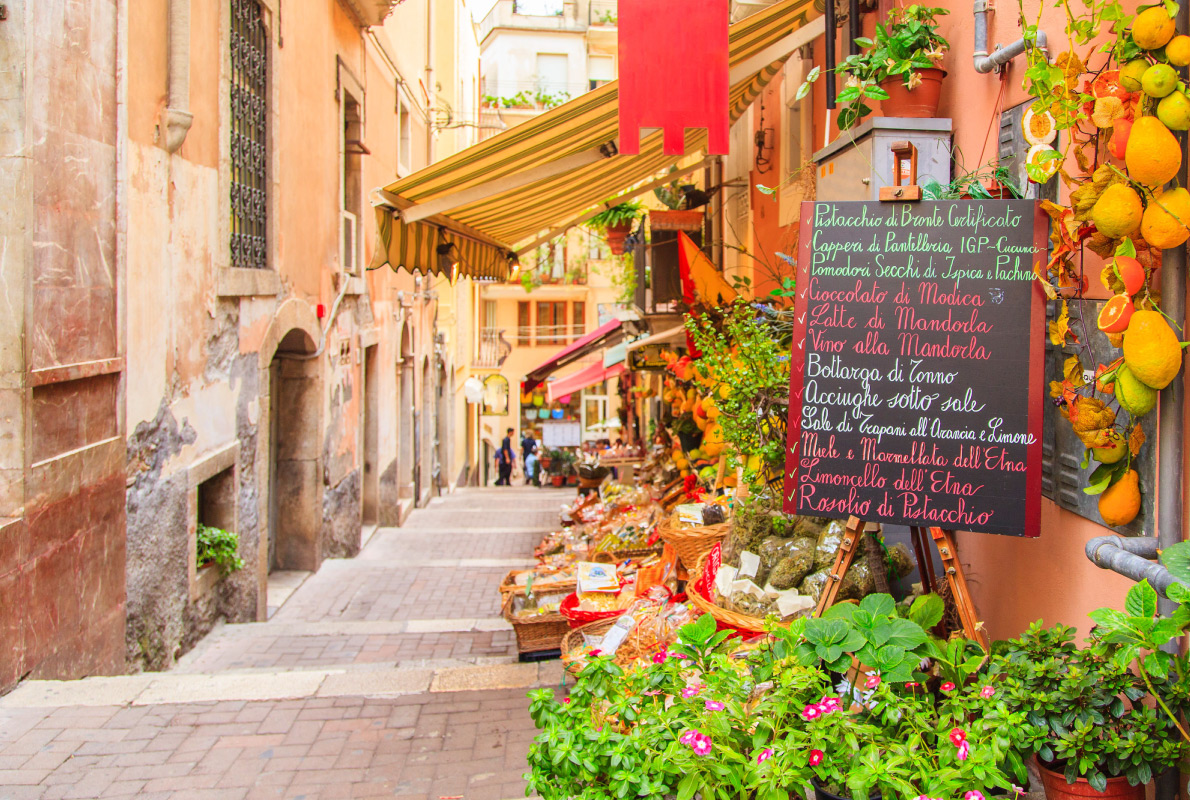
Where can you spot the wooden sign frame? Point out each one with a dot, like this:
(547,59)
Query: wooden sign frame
(1036,376)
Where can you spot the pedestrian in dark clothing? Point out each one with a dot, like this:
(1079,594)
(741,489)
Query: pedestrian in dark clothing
(529,456)
(505,457)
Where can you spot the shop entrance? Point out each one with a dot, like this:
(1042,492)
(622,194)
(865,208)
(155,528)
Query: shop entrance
(295,480)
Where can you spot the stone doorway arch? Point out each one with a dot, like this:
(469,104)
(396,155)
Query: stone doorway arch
(289,451)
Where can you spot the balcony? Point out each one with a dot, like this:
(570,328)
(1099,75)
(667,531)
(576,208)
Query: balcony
(493,349)
(562,16)
(602,30)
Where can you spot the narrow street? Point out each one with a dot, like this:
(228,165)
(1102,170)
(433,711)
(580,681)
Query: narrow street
(389,674)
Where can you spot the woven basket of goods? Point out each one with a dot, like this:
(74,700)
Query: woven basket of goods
(701,593)
(511,584)
(581,642)
(536,621)
(692,543)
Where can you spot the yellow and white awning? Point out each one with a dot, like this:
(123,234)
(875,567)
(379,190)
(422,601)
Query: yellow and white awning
(547,173)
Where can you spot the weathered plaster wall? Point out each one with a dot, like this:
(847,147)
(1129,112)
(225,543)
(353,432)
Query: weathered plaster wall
(61,516)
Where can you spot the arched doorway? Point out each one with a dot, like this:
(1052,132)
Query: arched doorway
(405,406)
(295,471)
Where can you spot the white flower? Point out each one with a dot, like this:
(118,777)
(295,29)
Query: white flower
(914,81)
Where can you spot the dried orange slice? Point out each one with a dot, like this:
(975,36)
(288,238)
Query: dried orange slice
(1116,314)
(1131,272)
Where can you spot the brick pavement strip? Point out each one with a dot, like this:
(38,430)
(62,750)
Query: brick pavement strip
(380,677)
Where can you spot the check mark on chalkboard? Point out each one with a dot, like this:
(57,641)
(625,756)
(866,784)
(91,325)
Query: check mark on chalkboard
(801,319)
(801,344)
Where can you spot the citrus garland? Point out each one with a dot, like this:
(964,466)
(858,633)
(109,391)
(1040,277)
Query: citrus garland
(1119,128)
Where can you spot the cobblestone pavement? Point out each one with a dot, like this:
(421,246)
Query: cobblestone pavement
(391,674)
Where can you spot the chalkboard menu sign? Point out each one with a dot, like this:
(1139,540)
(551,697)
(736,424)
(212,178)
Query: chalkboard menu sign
(917,380)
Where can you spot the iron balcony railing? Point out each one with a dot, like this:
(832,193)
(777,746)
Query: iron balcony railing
(493,348)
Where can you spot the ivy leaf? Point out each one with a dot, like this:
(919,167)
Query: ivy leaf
(1126,248)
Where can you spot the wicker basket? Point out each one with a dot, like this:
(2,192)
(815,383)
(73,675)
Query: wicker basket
(535,634)
(692,544)
(510,586)
(628,651)
(732,619)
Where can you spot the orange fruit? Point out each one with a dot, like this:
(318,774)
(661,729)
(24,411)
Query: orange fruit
(1152,28)
(1151,349)
(1164,223)
(1116,314)
(1039,127)
(1117,212)
(1132,395)
(1152,155)
(1132,72)
(1120,503)
(1113,451)
(1178,51)
(1131,273)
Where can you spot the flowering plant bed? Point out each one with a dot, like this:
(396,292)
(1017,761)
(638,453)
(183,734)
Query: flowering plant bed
(763,720)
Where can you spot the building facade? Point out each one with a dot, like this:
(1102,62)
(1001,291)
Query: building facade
(195,340)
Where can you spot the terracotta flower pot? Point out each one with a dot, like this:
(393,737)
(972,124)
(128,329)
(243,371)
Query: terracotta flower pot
(676,220)
(1056,788)
(616,234)
(557,480)
(920,101)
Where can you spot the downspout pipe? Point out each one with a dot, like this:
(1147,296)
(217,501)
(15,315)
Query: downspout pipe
(985,62)
(1132,558)
(178,118)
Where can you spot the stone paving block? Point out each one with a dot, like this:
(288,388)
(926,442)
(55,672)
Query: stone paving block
(496,677)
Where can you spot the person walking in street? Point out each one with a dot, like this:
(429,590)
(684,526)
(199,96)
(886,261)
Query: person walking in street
(529,454)
(505,457)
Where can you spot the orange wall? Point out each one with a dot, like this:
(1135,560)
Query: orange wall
(1013,581)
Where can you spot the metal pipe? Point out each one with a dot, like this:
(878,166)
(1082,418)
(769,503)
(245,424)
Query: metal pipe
(828,65)
(178,118)
(1171,447)
(1131,558)
(984,62)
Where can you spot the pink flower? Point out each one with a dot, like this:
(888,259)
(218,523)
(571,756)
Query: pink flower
(714,705)
(1019,790)
(873,681)
(660,656)
(811,712)
(958,736)
(816,757)
(986,692)
(948,687)
(829,705)
(911,684)
(701,745)
(687,737)
(974,794)
(678,655)
(690,691)
(764,755)
(964,750)
(595,652)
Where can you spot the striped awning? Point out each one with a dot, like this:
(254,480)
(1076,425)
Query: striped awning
(548,172)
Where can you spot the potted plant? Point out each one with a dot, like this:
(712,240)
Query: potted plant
(899,68)
(673,217)
(616,223)
(1088,721)
(993,182)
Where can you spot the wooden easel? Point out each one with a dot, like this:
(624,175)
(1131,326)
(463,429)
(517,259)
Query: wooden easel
(853,537)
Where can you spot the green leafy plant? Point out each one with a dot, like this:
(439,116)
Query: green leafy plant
(1084,709)
(217,546)
(970,184)
(615,217)
(764,724)
(905,44)
(745,353)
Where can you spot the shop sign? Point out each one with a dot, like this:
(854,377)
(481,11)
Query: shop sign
(917,380)
(647,357)
(673,72)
